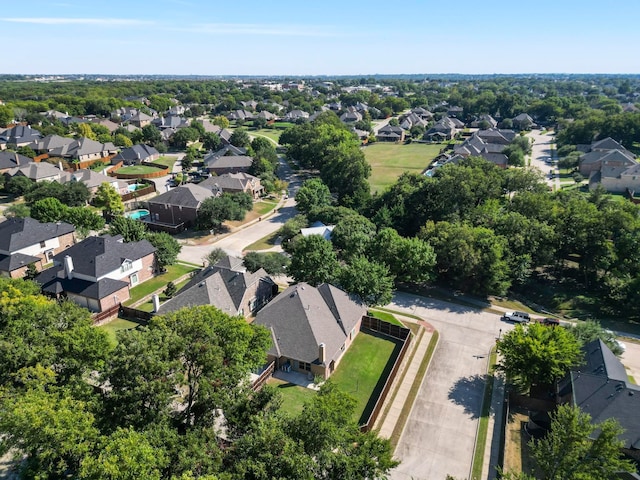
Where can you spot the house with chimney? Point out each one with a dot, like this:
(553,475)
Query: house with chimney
(136,155)
(235,183)
(311,328)
(228,286)
(178,208)
(611,165)
(25,241)
(38,172)
(98,272)
(9,160)
(18,136)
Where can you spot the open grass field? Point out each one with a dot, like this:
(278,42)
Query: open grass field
(271,134)
(265,242)
(293,396)
(136,170)
(173,272)
(364,369)
(389,160)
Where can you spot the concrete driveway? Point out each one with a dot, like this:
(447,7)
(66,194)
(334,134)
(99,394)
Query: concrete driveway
(440,434)
(540,150)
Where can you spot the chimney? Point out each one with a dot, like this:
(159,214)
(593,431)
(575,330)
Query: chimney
(156,302)
(68,267)
(60,166)
(321,353)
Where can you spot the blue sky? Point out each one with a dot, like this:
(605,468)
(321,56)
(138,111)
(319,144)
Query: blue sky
(282,37)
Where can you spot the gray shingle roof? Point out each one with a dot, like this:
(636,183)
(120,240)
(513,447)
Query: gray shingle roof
(9,263)
(36,171)
(229,161)
(302,317)
(190,195)
(53,281)
(97,256)
(12,159)
(18,233)
(136,153)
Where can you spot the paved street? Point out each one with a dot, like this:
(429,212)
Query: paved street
(541,149)
(440,434)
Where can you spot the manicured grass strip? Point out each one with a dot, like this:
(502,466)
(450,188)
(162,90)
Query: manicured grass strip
(265,242)
(189,264)
(293,396)
(386,316)
(273,135)
(364,369)
(136,170)
(390,160)
(173,272)
(166,160)
(148,306)
(415,388)
(481,439)
(116,325)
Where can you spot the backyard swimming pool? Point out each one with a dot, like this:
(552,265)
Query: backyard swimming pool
(135,186)
(138,214)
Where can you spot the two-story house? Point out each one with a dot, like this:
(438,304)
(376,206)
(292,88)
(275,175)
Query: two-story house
(98,272)
(25,241)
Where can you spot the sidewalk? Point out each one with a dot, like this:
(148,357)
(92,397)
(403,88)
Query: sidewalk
(398,399)
(494,430)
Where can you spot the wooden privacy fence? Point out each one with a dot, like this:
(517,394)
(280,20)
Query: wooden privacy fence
(394,331)
(135,314)
(264,376)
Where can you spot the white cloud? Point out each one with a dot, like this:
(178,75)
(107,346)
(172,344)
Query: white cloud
(106,22)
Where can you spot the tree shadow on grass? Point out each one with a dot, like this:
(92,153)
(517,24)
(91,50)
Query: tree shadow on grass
(468,392)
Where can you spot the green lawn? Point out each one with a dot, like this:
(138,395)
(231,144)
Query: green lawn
(389,160)
(166,160)
(385,316)
(267,132)
(160,281)
(265,242)
(364,369)
(148,306)
(293,396)
(136,170)
(116,325)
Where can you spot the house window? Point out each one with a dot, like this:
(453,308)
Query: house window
(304,366)
(126,266)
(49,255)
(43,244)
(133,278)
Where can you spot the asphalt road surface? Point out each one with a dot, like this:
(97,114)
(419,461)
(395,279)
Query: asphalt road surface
(541,150)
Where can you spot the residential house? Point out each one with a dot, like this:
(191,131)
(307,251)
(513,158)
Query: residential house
(492,122)
(19,136)
(226,285)
(38,172)
(240,115)
(455,111)
(250,104)
(240,182)
(171,121)
(411,120)
(318,228)
(108,124)
(422,113)
(136,154)
(98,272)
(487,144)
(50,143)
(601,388)
(295,115)
(229,159)
(93,180)
(267,115)
(311,327)
(140,119)
(25,241)
(124,113)
(609,164)
(178,207)
(84,149)
(523,122)
(390,133)
(500,136)
(351,115)
(444,129)
(9,160)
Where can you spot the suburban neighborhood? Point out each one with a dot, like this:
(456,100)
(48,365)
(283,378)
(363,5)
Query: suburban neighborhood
(254,277)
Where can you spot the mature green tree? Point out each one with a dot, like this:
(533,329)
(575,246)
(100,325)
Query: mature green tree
(51,428)
(151,134)
(19,185)
(537,355)
(469,258)
(371,281)
(167,248)
(216,210)
(130,229)
(408,259)
(312,194)
(83,219)
(6,115)
(314,261)
(274,263)
(108,199)
(290,230)
(71,194)
(352,235)
(211,142)
(221,121)
(259,122)
(124,455)
(215,255)
(577,449)
(17,210)
(26,151)
(240,138)
(48,209)
(591,330)
(120,140)
(183,136)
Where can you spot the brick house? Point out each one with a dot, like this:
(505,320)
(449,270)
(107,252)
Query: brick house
(98,272)
(311,327)
(25,241)
(178,206)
